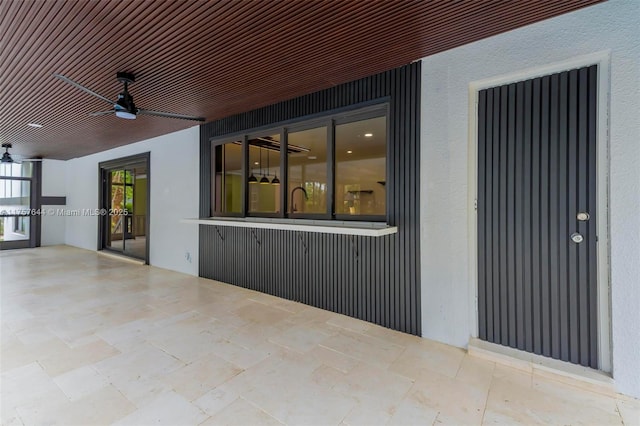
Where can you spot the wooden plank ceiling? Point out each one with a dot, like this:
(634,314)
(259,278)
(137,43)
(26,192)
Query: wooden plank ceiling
(211,58)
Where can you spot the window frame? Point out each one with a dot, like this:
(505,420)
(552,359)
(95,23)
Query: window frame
(243,190)
(328,119)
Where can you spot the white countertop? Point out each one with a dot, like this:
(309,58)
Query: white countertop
(370,229)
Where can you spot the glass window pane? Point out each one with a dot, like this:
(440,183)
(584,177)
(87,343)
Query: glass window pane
(361,167)
(228,178)
(14,228)
(27,169)
(24,169)
(128,191)
(307,186)
(117,176)
(15,196)
(264,164)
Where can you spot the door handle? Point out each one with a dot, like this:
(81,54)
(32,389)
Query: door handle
(577,238)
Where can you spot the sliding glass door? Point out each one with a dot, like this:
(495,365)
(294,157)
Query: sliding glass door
(124,205)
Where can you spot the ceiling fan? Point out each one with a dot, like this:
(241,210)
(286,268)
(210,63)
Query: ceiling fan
(7,158)
(124,106)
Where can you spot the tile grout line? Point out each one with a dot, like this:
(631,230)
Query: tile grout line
(455,376)
(406,394)
(261,409)
(486,401)
(619,412)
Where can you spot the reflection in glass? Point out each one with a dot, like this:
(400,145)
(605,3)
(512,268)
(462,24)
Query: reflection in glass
(15,196)
(15,200)
(128,210)
(307,185)
(135,203)
(361,149)
(264,164)
(24,169)
(116,206)
(228,178)
(14,228)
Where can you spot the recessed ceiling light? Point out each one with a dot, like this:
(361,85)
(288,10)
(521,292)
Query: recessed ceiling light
(256,163)
(312,157)
(368,135)
(36,125)
(349,152)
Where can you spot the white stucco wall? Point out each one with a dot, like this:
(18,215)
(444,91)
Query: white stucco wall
(447,299)
(54,184)
(173,177)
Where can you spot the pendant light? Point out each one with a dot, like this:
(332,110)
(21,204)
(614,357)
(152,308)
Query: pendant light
(264,180)
(252,178)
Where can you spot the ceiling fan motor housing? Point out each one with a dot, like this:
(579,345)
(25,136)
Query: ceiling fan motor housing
(126,77)
(124,106)
(125,102)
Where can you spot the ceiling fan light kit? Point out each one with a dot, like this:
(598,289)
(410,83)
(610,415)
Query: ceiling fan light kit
(126,115)
(124,107)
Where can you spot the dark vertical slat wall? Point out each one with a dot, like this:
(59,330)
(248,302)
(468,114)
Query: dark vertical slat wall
(372,278)
(537,289)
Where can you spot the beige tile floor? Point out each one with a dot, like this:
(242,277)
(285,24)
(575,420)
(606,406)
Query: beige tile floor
(87,339)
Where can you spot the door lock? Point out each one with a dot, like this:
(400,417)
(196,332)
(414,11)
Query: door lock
(583,216)
(577,238)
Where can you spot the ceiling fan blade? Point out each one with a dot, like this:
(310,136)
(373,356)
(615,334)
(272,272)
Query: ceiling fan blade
(169,115)
(81,87)
(99,113)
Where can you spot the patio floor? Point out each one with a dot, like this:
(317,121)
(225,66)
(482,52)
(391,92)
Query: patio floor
(88,339)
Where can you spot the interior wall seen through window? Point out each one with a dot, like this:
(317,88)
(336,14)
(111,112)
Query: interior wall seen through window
(307,184)
(228,178)
(360,167)
(264,164)
(343,157)
(15,199)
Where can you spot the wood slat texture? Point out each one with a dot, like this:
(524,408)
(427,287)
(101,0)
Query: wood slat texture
(537,289)
(211,58)
(374,279)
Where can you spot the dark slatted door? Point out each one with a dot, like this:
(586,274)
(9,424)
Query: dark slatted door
(537,216)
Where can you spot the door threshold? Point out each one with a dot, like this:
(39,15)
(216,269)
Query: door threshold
(561,371)
(122,257)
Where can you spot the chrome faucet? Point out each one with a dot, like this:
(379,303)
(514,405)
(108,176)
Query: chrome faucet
(293,191)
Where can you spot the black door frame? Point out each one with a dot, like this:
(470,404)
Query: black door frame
(35,225)
(103,170)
